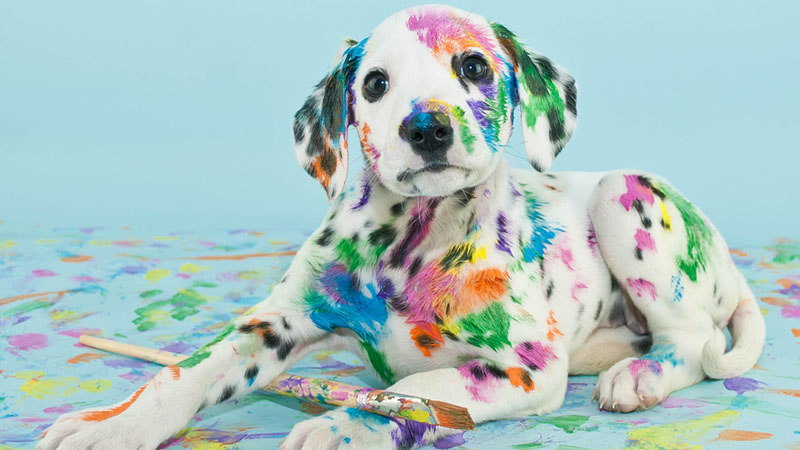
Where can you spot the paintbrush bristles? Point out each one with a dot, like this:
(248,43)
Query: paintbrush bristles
(452,416)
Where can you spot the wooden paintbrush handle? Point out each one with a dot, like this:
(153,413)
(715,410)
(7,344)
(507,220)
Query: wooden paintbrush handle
(319,389)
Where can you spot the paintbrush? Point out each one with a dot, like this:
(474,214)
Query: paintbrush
(376,401)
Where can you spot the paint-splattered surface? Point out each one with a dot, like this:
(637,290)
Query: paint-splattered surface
(175,291)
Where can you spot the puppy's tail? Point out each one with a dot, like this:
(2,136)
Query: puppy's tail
(747,330)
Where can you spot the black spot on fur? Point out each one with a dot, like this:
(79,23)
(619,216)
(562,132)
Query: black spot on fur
(449,334)
(571,96)
(415,266)
(426,341)
(598,311)
(383,236)
(464,196)
(614,284)
(397,209)
(285,324)
(325,237)
(226,393)
(557,130)
(549,291)
(536,166)
(639,253)
(455,64)
(399,305)
(251,372)
(457,255)
(646,222)
(284,349)
(203,406)
(478,372)
(495,371)
(642,345)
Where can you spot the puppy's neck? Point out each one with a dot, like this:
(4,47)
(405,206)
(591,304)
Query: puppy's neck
(452,218)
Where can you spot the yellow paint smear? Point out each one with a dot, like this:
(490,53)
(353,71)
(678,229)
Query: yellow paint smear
(192,268)
(42,388)
(665,215)
(682,435)
(155,275)
(165,238)
(7,244)
(95,386)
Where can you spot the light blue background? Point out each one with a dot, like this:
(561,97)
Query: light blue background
(177,114)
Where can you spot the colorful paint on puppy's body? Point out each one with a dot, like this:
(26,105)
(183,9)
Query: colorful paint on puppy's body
(455,277)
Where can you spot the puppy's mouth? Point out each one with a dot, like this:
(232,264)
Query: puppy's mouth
(433,167)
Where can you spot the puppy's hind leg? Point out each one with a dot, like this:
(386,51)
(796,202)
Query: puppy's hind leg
(677,271)
(247,355)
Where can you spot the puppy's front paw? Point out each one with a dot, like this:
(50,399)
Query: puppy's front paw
(79,431)
(631,384)
(356,430)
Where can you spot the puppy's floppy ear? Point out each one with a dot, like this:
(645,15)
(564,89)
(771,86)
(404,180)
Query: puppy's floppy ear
(320,125)
(547,96)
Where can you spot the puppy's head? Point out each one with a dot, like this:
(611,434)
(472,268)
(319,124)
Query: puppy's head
(432,92)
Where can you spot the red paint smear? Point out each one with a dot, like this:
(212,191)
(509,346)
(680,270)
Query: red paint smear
(7,300)
(98,416)
(176,372)
(789,392)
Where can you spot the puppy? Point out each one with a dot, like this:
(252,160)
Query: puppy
(455,277)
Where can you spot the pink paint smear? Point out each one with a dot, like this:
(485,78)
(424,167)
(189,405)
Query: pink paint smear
(642,287)
(635,192)
(29,341)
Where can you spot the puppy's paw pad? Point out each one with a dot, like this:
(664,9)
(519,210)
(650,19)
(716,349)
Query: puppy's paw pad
(630,385)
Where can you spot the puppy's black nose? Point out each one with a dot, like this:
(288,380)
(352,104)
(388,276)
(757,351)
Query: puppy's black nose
(429,134)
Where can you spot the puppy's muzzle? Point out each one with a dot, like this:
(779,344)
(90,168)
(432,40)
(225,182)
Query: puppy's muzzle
(429,134)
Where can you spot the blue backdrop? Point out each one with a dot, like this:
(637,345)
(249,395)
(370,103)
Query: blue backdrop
(177,114)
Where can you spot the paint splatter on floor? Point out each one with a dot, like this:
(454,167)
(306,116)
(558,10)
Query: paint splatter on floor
(175,291)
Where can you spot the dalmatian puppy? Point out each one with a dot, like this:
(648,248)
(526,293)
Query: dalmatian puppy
(455,277)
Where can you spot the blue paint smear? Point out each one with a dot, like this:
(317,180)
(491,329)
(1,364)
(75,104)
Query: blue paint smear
(338,302)
(662,353)
(543,232)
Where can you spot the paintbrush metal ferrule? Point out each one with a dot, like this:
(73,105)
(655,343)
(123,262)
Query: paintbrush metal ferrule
(413,408)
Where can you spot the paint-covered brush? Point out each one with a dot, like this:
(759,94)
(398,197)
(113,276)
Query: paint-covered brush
(376,401)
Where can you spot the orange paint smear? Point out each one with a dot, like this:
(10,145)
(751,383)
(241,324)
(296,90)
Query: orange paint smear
(7,300)
(775,301)
(796,332)
(76,259)
(426,337)
(519,377)
(789,392)
(787,283)
(85,357)
(98,416)
(552,330)
(243,257)
(176,372)
(738,252)
(742,435)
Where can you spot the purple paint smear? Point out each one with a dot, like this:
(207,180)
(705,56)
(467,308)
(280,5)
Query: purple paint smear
(740,385)
(450,441)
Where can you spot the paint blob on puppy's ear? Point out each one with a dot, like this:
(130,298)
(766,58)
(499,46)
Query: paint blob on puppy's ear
(320,125)
(547,96)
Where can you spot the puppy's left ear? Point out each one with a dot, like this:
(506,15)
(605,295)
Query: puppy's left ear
(320,125)
(547,96)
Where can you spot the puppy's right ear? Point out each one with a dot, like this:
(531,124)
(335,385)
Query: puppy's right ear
(320,125)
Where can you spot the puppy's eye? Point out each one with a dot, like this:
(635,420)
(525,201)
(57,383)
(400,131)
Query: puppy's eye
(474,68)
(375,85)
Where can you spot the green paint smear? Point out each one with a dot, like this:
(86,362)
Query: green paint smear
(204,352)
(567,423)
(117,334)
(698,235)
(200,283)
(786,252)
(183,305)
(467,138)
(378,362)
(544,95)
(150,294)
(489,327)
(27,307)
(527,446)
(355,256)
